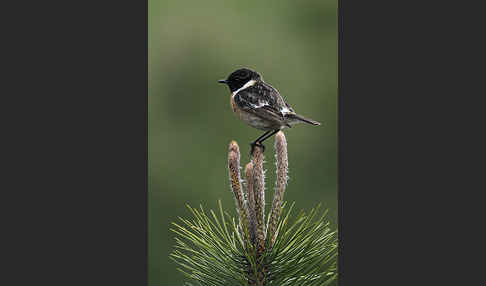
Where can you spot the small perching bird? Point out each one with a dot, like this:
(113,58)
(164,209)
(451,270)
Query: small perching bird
(260,105)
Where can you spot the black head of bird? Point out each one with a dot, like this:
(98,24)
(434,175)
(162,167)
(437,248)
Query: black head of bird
(239,78)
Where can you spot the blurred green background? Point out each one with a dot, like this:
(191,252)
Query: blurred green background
(192,44)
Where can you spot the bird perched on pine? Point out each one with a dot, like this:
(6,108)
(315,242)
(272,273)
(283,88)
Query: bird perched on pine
(260,105)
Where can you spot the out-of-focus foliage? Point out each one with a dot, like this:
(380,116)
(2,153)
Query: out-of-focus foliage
(192,44)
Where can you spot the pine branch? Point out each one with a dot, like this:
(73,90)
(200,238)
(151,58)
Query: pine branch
(217,249)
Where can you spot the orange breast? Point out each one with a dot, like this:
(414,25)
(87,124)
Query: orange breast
(233,104)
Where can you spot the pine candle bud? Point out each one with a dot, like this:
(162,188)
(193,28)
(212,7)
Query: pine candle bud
(259,193)
(282,171)
(251,201)
(235,182)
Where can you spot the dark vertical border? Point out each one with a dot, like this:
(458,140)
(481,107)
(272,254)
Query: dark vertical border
(75,174)
(405,74)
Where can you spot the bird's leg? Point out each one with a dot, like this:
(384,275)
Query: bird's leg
(268,135)
(258,142)
(259,139)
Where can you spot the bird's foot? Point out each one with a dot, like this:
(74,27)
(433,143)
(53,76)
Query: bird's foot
(256,144)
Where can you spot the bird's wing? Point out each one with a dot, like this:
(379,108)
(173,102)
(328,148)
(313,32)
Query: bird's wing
(262,100)
(283,106)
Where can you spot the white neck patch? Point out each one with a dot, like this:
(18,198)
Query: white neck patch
(247,85)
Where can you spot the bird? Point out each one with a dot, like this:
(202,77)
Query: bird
(260,105)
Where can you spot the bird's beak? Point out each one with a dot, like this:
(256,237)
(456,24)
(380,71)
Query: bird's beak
(222,81)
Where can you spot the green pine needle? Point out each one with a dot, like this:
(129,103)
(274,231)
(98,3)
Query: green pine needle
(211,250)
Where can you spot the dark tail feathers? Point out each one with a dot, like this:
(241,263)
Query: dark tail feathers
(303,119)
